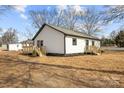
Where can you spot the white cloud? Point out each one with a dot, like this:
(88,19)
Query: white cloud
(21,10)
(23,16)
(2,31)
(61,7)
(77,8)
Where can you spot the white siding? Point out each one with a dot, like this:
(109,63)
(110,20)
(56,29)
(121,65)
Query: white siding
(70,48)
(96,42)
(81,44)
(53,40)
(15,47)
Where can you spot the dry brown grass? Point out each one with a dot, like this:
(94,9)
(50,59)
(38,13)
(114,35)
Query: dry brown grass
(106,70)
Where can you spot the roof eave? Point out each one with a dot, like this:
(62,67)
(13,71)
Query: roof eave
(61,32)
(39,31)
(82,37)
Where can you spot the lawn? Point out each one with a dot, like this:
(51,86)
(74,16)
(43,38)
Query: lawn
(106,70)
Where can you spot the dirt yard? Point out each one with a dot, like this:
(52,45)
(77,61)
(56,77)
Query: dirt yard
(106,70)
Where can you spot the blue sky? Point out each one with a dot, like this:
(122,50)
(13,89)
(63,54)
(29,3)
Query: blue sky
(20,19)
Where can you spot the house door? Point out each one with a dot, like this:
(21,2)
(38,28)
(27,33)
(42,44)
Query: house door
(87,45)
(39,43)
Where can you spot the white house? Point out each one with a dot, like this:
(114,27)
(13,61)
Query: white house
(12,47)
(62,41)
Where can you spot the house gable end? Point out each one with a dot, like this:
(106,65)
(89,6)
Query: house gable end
(43,28)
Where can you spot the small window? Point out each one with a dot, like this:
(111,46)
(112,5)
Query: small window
(92,43)
(87,42)
(74,41)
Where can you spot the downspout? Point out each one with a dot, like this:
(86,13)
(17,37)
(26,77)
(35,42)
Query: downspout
(64,45)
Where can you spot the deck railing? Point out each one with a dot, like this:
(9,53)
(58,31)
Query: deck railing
(93,49)
(40,51)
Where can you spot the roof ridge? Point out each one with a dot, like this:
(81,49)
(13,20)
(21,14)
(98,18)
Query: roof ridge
(54,26)
(66,32)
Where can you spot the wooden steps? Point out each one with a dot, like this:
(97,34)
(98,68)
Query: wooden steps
(94,50)
(35,51)
(39,52)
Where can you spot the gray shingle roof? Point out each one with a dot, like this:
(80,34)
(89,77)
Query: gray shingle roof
(67,32)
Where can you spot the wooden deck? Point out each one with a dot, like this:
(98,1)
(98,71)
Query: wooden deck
(34,50)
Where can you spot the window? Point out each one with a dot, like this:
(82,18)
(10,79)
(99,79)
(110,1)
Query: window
(92,43)
(74,41)
(39,43)
(87,42)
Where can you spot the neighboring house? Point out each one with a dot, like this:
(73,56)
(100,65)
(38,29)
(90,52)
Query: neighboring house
(12,47)
(62,41)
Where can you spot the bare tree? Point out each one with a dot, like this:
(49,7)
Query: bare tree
(37,18)
(41,17)
(71,16)
(59,17)
(91,22)
(113,34)
(2,11)
(114,13)
(112,37)
(0,41)
(10,36)
(1,30)
(28,33)
(66,18)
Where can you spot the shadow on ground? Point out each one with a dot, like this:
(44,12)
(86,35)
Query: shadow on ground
(19,73)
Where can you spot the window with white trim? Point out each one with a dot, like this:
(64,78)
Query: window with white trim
(93,43)
(74,41)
